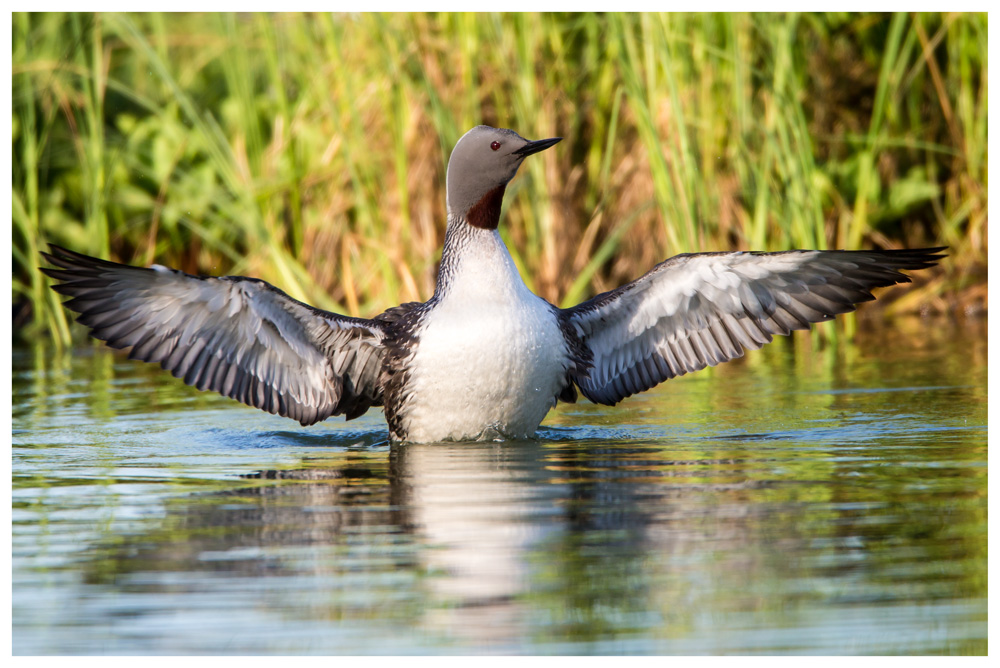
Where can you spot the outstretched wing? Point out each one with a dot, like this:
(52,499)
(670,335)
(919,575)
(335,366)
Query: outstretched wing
(238,336)
(696,310)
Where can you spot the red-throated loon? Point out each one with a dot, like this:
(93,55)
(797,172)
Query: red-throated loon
(484,357)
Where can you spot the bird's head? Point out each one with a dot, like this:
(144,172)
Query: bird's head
(485,159)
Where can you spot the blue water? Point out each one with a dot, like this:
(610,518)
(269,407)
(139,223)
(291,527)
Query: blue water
(810,499)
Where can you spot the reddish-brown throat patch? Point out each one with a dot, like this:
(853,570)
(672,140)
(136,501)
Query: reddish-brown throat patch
(485,214)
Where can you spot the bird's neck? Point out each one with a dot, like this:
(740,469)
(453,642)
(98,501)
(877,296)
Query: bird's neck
(476,264)
(485,213)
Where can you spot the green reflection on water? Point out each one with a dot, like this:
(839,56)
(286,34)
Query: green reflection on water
(808,499)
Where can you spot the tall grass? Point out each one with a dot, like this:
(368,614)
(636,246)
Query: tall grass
(309,150)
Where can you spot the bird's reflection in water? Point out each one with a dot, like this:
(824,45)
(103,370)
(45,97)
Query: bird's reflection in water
(450,538)
(491,545)
(479,513)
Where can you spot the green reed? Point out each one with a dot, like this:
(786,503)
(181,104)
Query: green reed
(310,150)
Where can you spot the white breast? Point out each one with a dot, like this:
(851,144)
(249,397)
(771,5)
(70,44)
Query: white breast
(490,357)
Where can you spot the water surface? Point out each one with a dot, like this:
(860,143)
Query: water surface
(808,499)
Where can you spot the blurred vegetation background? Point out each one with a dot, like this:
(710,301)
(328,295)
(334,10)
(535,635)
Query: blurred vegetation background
(310,150)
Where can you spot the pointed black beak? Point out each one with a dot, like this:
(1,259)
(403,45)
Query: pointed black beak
(536,146)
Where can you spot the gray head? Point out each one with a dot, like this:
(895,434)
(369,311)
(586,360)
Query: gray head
(483,161)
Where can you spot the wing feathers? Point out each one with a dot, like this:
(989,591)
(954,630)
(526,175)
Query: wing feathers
(693,311)
(240,337)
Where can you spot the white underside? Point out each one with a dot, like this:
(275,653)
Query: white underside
(490,357)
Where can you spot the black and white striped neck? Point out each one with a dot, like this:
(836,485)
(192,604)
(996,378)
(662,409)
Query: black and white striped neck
(474,260)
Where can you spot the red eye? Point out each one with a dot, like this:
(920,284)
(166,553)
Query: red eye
(495,145)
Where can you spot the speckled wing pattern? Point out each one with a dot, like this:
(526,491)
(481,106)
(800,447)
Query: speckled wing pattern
(698,310)
(238,336)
